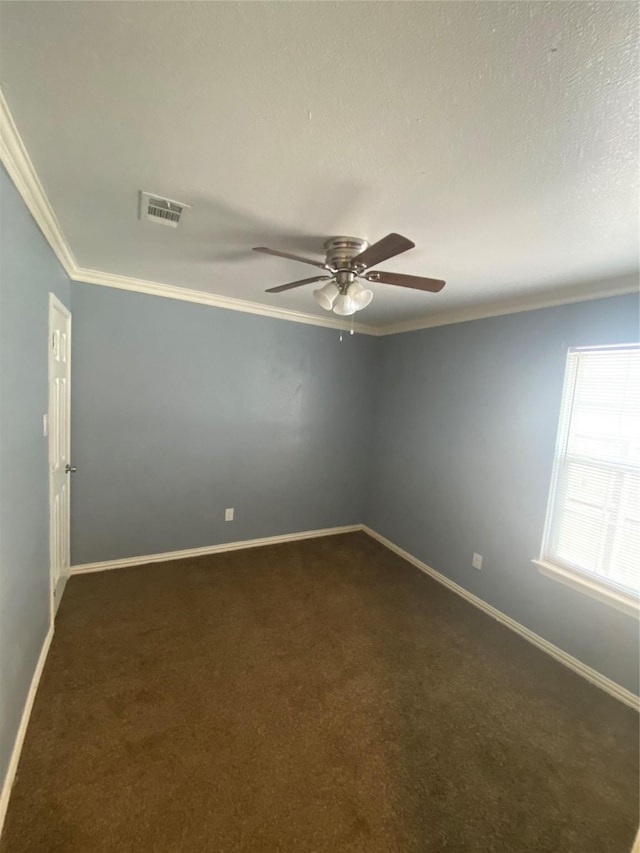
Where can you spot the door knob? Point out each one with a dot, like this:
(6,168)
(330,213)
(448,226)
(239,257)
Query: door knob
(70,469)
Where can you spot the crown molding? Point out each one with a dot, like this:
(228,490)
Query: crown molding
(201,297)
(619,286)
(20,168)
(18,164)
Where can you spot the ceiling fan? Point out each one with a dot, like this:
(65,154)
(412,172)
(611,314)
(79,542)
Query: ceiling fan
(347,260)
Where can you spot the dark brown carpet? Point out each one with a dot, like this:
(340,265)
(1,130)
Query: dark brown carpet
(315,696)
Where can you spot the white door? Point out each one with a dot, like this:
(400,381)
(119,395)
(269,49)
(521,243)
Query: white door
(59,464)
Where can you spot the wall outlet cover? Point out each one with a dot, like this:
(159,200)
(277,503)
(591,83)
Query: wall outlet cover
(477,561)
(228,514)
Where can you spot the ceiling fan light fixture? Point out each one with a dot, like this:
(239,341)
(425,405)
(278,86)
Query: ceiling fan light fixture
(326,296)
(344,306)
(359,295)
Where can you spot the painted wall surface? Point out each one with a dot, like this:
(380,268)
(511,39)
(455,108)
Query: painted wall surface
(466,419)
(180,410)
(28,271)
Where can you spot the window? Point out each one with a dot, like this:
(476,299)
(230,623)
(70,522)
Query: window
(592,536)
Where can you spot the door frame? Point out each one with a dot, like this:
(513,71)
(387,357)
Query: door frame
(56,304)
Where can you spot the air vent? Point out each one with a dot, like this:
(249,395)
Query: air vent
(163,211)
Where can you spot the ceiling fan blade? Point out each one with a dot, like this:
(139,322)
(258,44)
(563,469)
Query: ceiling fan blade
(291,257)
(291,284)
(388,247)
(417,282)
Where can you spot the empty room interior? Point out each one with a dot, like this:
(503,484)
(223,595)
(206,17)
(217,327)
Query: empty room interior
(319,427)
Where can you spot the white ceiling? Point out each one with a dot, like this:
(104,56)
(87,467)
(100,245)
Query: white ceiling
(501,137)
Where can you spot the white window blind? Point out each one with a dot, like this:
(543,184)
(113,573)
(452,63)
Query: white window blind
(593,523)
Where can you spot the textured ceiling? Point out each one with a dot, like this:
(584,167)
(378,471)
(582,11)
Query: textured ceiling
(501,137)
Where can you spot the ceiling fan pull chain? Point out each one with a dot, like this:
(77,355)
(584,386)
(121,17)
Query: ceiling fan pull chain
(351,329)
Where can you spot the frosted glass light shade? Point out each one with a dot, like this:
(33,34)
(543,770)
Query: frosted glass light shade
(326,296)
(359,295)
(344,306)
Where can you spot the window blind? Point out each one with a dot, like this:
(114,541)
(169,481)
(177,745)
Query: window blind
(593,524)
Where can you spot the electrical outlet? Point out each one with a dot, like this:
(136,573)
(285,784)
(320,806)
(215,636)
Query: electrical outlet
(228,514)
(476,562)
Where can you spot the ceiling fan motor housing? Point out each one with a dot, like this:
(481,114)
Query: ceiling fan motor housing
(340,250)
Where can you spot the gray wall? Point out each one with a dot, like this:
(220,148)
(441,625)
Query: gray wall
(28,271)
(180,410)
(466,419)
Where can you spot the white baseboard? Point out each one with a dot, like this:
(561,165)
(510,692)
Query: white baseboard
(58,593)
(592,675)
(22,729)
(596,678)
(84,568)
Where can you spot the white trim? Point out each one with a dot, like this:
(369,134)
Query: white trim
(592,675)
(494,309)
(22,728)
(584,292)
(627,603)
(19,166)
(59,592)
(601,681)
(596,678)
(61,307)
(16,159)
(127,562)
(588,583)
(185,294)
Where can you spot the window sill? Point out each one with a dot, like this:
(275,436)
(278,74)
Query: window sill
(626,602)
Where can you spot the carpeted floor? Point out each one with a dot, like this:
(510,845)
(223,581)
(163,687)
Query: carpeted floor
(315,696)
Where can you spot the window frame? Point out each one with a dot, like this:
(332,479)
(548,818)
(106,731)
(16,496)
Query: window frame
(584,581)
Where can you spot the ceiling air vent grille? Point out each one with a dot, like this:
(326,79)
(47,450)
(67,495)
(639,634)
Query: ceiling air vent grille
(163,211)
